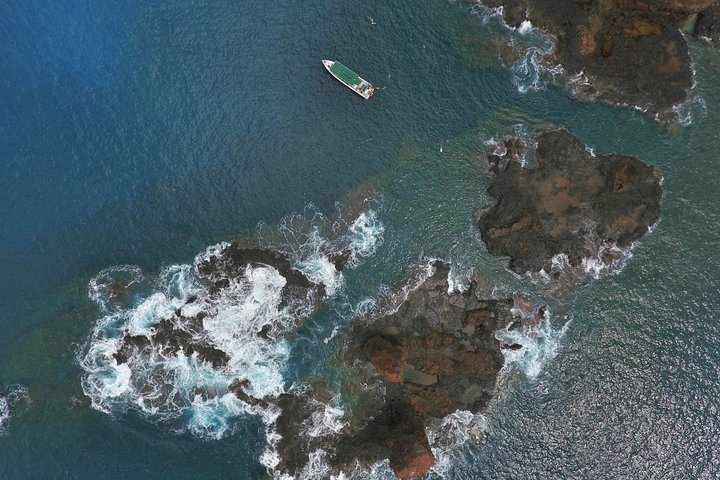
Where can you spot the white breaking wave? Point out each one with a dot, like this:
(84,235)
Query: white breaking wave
(10,399)
(312,241)
(454,432)
(422,273)
(540,344)
(178,385)
(4,412)
(103,287)
(458,280)
(692,109)
(365,236)
(525,27)
(580,86)
(609,260)
(312,260)
(526,136)
(326,421)
(597,267)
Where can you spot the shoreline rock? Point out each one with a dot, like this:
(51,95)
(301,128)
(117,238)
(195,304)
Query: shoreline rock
(631,52)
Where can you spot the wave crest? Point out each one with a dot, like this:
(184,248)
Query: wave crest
(204,343)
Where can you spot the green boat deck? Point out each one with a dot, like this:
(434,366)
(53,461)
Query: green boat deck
(344,73)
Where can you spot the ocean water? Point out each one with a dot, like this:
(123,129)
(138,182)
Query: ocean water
(145,132)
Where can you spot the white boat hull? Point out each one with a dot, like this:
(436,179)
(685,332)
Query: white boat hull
(365,89)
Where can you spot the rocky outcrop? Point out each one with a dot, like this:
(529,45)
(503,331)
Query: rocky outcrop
(631,52)
(437,353)
(173,335)
(432,355)
(297,413)
(235,257)
(397,433)
(572,202)
(438,347)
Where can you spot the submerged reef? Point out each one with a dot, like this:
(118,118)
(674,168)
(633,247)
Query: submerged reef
(627,52)
(571,202)
(410,366)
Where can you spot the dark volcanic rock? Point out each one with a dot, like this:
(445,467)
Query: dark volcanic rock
(297,412)
(437,353)
(238,387)
(443,344)
(433,354)
(572,203)
(708,24)
(235,257)
(631,51)
(397,433)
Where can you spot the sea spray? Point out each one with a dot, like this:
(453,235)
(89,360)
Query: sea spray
(110,289)
(451,435)
(497,146)
(540,344)
(609,260)
(181,385)
(394,300)
(316,243)
(4,412)
(365,235)
(458,279)
(243,314)
(692,109)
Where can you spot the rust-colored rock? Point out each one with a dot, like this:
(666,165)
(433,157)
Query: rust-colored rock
(387,356)
(411,458)
(409,367)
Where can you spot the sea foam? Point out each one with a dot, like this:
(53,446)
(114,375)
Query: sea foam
(365,236)
(12,399)
(180,388)
(540,344)
(4,412)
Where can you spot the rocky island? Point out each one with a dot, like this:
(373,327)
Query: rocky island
(571,202)
(411,366)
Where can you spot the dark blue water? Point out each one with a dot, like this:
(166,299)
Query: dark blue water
(142,132)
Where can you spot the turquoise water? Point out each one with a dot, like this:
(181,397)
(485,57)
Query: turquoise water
(144,133)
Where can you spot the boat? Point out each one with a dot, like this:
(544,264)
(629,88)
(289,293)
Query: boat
(349,78)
